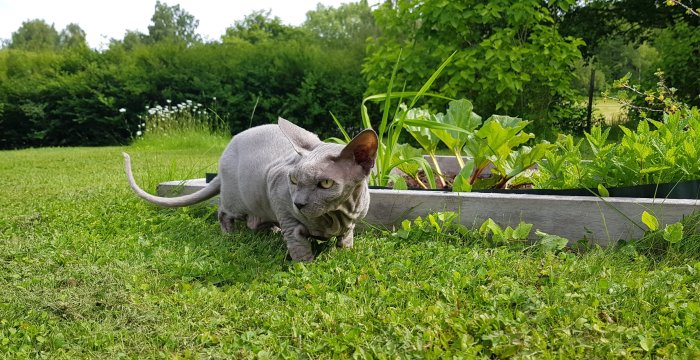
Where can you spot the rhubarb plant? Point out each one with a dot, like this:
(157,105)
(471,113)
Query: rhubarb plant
(410,161)
(459,114)
(425,137)
(499,142)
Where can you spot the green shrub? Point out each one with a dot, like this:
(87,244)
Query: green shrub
(571,117)
(74,97)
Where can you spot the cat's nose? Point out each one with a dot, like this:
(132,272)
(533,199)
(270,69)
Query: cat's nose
(299,205)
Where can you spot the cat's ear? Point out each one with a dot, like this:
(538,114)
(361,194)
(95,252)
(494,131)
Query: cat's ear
(303,141)
(362,150)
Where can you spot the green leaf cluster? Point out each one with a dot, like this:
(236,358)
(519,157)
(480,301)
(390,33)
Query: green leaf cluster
(657,152)
(438,226)
(510,56)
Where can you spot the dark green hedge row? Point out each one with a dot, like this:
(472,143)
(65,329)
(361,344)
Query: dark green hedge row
(73,97)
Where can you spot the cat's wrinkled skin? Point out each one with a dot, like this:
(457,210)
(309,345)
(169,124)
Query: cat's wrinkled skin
(276,175)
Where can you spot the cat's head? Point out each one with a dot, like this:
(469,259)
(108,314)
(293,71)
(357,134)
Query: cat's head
(326,174)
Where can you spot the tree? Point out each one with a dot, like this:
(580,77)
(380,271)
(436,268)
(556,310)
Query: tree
(679,58)
(171,23)
(349,25)
(257,27)
(510,57)
(635,20)
(35,35)
(72,37)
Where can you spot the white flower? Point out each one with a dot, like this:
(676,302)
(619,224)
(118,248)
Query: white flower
(122,110)
(189,102)
(214,98)
(168,101)
(152,111)
(139,133)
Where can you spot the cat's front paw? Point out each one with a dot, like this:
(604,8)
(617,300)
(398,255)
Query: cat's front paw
(345,241)
(300,253)
(298,245)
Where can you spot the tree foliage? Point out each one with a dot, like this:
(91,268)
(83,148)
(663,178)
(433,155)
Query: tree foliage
(258,27)
(595,21)
(349,25)
(35,35)
(511,58)
(172,23)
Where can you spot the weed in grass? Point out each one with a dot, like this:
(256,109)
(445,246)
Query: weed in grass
(677,243)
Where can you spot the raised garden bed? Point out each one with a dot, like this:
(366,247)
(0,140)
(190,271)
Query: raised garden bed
(602,221)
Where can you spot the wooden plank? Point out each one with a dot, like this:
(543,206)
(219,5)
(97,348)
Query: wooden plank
(573,217)
(604,221)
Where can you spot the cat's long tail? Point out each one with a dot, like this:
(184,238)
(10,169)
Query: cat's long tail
(212,189)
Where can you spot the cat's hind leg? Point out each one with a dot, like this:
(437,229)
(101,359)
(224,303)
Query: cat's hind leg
(227,221)
(257,224)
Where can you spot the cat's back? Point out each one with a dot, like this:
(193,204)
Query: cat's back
(244,168)
(268,138)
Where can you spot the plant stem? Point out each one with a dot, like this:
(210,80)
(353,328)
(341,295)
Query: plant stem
(475,174)
(458,156)
(422,184)
(502,183)
(437,170)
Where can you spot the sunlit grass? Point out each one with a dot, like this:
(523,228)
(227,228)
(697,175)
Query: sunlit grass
(610,109)
(88,270)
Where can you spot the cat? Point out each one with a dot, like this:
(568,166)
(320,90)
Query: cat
(283,175)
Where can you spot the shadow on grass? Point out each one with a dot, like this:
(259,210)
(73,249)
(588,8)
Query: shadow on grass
(193,249)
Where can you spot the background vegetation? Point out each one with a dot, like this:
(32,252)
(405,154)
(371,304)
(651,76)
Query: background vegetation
(526,58)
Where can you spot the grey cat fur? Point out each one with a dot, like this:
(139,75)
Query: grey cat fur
(271,175)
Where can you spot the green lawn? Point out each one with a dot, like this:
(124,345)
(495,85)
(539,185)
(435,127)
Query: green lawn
(612,111)
(87,270)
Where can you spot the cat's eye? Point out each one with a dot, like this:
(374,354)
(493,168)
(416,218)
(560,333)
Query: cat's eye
(293,179)
(326,184)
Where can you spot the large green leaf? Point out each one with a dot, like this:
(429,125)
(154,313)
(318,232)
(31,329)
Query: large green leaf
(404,152)
(461,181)
(459,114)
(521,159)
(427,140)
(501,134)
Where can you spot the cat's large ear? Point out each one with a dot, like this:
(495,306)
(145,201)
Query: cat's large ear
(303,141)
(362,149)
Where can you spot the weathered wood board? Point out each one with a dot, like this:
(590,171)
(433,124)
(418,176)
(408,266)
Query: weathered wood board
(604,221)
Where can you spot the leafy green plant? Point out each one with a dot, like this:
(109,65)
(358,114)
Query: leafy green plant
(499,142)
(520,234)
(676,242)
(410,161)
(391,126)
(440,225)
(500,236)
(497,67)
(458,114)
(426,138)
(657,152)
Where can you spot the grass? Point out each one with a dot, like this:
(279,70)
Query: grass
(612,111)
(87,270)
